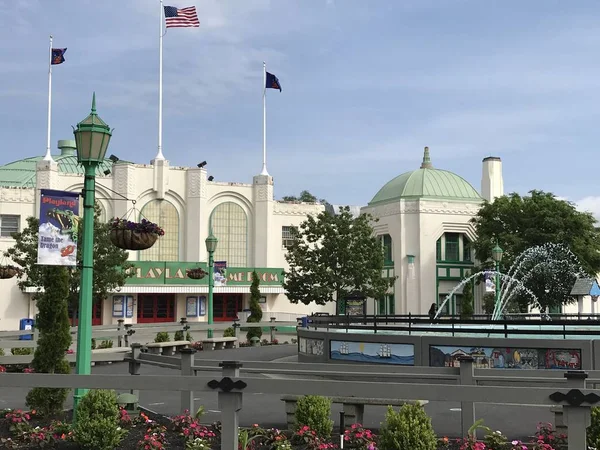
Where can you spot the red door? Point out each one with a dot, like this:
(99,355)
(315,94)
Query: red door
(155,308)
(96,315)
(226,306)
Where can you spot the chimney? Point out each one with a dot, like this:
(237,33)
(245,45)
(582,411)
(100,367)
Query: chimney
(67,147)
(492,183)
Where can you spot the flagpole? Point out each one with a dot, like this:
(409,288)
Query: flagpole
(160,155)
(48,156)
(264,167)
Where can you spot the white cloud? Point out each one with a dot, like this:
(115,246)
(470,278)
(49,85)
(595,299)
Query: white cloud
(590,204)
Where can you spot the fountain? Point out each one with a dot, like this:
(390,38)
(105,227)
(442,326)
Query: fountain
(528,263)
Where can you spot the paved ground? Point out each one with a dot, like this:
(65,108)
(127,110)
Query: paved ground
(268,410)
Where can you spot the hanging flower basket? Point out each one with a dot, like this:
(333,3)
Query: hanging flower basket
(196,274)
(134,235)
(9,271)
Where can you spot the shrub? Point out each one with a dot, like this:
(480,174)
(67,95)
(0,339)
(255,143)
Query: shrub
(229,332)
(93,344)
(107,343)
(188,337)
(255,309)
(178,335)
(409,428)
(22,351)
(593,431)
(1,352)
(359,437)
(49,401)
(314,411)
(98,417)
(162,336)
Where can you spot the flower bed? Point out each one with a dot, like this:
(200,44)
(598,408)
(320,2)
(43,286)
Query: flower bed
(24,429)
(134,235)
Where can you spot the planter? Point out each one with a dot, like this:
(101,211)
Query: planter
(7,272)
(132,240)
(196,274)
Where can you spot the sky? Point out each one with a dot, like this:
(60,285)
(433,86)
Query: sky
(366,85)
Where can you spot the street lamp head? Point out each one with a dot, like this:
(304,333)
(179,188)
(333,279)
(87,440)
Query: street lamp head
(92,136)
(211,243)
(497,253)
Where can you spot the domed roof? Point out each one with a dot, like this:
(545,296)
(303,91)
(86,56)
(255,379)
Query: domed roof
(426,182)
(22,173)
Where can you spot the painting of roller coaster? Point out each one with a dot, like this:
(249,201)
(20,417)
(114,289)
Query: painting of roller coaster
(372,352)
(506,358)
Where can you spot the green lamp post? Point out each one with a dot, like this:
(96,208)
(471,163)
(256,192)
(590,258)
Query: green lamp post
(92,137)
(211,247)
(497,257)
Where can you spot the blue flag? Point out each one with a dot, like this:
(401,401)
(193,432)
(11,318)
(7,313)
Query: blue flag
(58,55)
(273,82)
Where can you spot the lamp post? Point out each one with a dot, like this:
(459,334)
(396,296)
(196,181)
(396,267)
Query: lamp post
(211,246)
(92,136)
(497,257)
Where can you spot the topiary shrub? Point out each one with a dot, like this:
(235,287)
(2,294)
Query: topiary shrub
(188,337)
(98,426)
(593,431)
(162,336)
(178,335)
(229,332)
(255,309)
(409,428)
(45,400)
(22,351)
(314,411)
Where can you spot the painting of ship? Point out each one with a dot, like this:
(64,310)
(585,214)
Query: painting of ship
(373,352)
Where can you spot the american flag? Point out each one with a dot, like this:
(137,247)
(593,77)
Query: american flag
(181,18)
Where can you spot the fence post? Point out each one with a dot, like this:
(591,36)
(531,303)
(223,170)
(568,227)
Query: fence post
(272,329)
(187,362)
(119,328)
(229,403)
(236,327)
(467,409)
(135,364)
(577,416)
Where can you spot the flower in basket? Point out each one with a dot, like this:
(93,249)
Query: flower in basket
(196,273)
(145,226)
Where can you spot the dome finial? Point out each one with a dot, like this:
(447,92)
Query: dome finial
(426,164)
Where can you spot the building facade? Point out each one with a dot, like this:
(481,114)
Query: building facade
(425,230)
(252,228)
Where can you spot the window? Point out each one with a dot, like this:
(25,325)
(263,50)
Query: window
(452,247)
(438,250)
(386,305)
(9,225)
(166,248)
(467,249)
(229,224)
(288,235)
(386,242)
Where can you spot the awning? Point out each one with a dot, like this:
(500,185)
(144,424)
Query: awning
(179,289)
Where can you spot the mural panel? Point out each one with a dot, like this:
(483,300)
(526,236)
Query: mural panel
(373,352)
(311,346)
(506,358)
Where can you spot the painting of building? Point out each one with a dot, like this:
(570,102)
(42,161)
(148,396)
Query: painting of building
(506,358)
(373,352)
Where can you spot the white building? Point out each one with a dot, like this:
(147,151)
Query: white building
(424,226)
(253,230)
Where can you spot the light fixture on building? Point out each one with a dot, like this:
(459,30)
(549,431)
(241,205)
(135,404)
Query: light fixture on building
(411,267)
(107,172)
(202,164)
(113,158)
(211,178)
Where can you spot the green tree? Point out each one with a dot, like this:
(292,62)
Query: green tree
(520,223)
(54,339)
(255,309)
(110,262)
(305,197)
(466,304)
(332,256)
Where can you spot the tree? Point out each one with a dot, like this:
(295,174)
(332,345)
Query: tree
(466,304)
(110,262)
(255,309)
(305,197)
(521,223)
(54,340)
(332,256)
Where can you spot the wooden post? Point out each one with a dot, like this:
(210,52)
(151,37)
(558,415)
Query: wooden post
(187,362)
(467,378)
(119,329)
(230,404)
(577,418)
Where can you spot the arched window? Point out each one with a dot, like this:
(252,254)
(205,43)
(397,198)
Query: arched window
(229,224)
(166,248)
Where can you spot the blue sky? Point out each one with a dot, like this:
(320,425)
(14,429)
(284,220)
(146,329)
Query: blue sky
(366,85)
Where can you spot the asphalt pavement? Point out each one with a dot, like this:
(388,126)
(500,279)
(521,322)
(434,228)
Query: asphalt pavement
(268,410)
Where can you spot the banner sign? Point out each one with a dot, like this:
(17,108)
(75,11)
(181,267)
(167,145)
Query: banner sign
(220,273)
(59,222)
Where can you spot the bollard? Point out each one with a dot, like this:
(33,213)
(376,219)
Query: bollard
(273,329)
(467,378)
(187,362)
(119,328)
(134,365)
(230,404)
(342,428)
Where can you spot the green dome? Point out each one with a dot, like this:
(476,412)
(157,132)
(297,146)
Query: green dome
(22,173)
(426,182)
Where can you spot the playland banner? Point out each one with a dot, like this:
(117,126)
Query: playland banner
(59,222)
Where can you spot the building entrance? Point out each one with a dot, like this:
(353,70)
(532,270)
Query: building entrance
(226,306)
(155,308)
(96,314)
